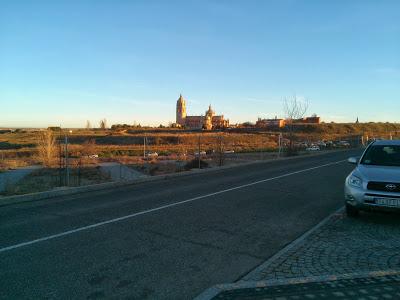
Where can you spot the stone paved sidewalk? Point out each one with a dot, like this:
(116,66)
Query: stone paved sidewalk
(374,288)
(341,247)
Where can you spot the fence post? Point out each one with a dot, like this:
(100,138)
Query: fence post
(66,161)
(79,171)
(279,144)
(199,153)
(60,158)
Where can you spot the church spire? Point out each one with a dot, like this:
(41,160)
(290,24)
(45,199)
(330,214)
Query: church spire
(181,99)
(180,110)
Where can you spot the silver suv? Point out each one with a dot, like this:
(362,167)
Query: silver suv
(375,182)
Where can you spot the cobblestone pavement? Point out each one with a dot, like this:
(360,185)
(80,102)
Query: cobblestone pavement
(381,287)
(343,245)
(328,261)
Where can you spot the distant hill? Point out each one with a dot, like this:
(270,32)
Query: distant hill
(350,128)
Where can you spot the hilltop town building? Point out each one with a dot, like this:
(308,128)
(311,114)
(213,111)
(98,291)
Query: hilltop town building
(308,120)
(270,123)
(280,123)
(208,121)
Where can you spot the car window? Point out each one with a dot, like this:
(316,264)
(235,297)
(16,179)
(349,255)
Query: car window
(382,155)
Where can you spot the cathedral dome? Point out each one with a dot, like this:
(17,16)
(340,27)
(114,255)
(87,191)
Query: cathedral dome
(210,112)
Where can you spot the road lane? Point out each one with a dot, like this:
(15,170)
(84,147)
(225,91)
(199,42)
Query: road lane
(166,206)
(174,253)
(28,221)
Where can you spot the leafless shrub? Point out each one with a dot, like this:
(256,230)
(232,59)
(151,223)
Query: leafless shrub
(103,124)
(46,146)
(88,125)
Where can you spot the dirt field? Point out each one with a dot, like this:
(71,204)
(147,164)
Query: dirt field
(19,149)
(177,150)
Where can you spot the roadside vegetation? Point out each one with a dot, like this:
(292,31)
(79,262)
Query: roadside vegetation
(22,148)
(157,151)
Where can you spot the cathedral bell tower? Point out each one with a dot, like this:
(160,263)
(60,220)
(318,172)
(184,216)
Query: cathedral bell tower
(181,111)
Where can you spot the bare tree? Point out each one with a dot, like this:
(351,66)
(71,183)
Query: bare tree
(220,145)
(103,123)
(47,148)
(88,125)
(294,109)
(89,147)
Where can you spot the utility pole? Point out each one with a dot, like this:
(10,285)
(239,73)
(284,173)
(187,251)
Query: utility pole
(66,161)
(79,171)
(60,158)
(279,144)
(199,154)
(220,150)
(144,147)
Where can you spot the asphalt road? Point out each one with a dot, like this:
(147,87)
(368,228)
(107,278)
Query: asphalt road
(169,239)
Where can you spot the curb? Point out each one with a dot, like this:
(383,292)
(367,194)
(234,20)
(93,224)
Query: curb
(66,191)
(214,291)
(248,282)
(257,272)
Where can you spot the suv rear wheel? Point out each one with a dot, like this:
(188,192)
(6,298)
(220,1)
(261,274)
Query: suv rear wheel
(351,211)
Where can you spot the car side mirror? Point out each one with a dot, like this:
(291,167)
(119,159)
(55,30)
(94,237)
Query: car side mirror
(353,160)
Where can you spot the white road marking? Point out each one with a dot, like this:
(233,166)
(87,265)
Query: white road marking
(50,237)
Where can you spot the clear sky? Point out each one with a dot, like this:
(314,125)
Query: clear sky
(63,62)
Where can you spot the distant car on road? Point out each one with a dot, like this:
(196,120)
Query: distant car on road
(152,155)
(375,182)
(229,151)
(344,144)
(313,148)
(202,153)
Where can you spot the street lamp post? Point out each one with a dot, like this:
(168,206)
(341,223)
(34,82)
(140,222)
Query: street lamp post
(66,159)
(279,144)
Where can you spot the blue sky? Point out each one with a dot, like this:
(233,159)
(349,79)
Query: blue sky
(65,62)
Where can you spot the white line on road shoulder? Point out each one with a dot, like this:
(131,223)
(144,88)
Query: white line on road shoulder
(50,237)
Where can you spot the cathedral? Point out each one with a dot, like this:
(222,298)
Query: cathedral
(209,121)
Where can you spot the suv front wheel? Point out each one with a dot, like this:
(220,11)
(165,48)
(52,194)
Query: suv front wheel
(351,211)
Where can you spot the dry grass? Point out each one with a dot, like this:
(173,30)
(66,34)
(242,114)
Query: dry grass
(19,149)
(11,164)
(48,178)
